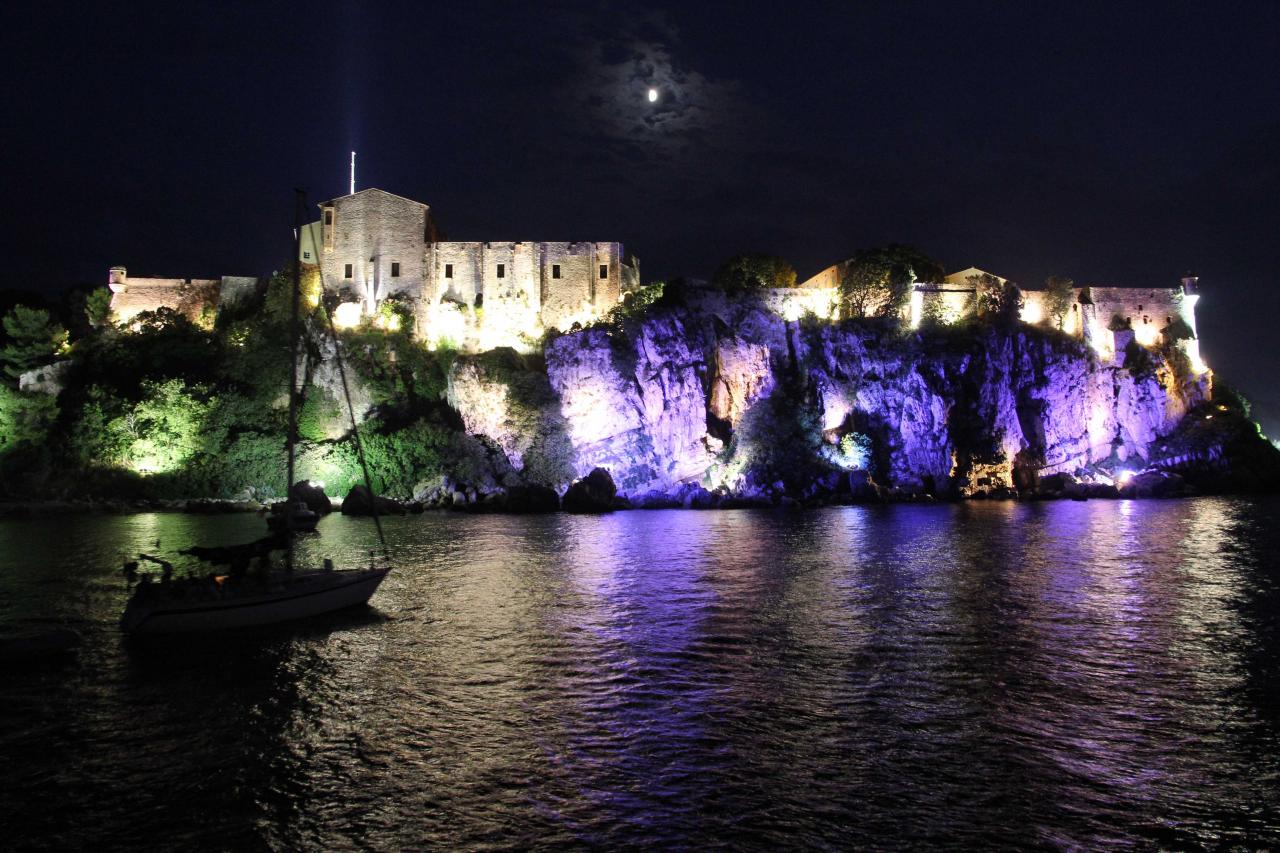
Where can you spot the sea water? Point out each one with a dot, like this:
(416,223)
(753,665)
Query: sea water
(973,675)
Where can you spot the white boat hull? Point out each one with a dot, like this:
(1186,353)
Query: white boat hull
(303,595)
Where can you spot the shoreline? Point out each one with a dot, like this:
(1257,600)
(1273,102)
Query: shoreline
(214,506)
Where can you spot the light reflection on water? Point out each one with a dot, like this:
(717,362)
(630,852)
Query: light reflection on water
(1069,674)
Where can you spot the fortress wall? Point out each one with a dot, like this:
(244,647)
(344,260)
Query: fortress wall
(567,300)
(607,292)
(467,260)
(1035,310)
(515,309)
(371,231)
(792,303)
(1149,310)
(189,297)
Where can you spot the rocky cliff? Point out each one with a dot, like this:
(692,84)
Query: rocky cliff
(725,395)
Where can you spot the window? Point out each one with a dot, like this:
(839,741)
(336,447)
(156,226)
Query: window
(347,273)
(1146,319)
(395,269)
(555,270)
(502,270)
(1139,307)
(328,216)
(479,300)
(306,255)
(448,270)
(604,271)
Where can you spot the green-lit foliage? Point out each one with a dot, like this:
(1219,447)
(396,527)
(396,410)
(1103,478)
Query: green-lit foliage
(165,426)
(98,437)
(320,417)
(163,345)
(401,459)
(24,418)
(857,449)
(97,307)
(400,373)
(277,306)
(32,338)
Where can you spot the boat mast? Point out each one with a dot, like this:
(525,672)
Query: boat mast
(291,436)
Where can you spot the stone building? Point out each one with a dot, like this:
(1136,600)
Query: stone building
(373,245)
(1104,317)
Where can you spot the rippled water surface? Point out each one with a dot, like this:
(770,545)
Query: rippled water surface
(1072,674)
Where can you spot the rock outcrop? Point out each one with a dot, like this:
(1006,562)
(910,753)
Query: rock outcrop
(312,495)
(723,402)
(593,493)
(359,501)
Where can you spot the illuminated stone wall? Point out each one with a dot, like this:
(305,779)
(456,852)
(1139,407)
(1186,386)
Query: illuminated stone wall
(472,295)
(1147,310)
(196,298)
(373,231)
(479,296)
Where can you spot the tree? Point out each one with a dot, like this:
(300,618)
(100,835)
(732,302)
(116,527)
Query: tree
(754,272)
(97,307)
(999,301)
(880,281)
(1059,293)
(34,339)
(164,427)
(24,418)
(863,285)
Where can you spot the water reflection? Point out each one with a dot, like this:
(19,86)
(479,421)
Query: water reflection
(1070,674)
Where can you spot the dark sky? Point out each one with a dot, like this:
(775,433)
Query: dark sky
(1117,144)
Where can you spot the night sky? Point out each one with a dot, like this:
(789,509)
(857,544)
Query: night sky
(1116,144)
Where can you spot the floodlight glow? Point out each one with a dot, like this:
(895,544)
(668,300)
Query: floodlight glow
(347,315)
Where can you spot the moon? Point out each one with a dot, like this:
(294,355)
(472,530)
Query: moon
(653,96)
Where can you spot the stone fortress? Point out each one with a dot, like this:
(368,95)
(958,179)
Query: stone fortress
(372,246)
(1145,311)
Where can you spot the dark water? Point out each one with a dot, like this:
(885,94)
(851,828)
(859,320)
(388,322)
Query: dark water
(988,675)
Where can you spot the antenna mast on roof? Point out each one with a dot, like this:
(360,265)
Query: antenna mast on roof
(353,173)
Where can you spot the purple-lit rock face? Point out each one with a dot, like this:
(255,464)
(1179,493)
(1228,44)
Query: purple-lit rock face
(727,395)
(635,405)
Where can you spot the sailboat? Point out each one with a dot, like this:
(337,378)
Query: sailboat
(255,592)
